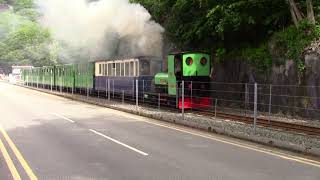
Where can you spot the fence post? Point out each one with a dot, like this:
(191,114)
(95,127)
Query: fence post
(113,88)
(122,96)
(159,100)
(246,99)
(177,97)
(51,81)
(108,89)
(37,81)
(255,106)
(182,99)
(98,89)
(270,101)
(143,91)
(191,94)
(137,93)
(215,108)
(43,86)
(61,85)
(87,88)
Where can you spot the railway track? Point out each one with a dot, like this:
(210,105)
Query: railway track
(298,128)
(310,130)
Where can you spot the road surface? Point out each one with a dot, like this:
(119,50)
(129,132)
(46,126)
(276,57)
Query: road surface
(48,137)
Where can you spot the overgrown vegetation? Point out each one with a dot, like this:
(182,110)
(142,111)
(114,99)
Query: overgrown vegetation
(240,28)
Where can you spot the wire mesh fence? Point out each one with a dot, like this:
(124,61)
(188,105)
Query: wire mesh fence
(271,102)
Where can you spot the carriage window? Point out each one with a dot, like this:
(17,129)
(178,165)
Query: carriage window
(109,69)
(118,69)
(137,68)
(122,69)
(113,69)
(127,68)
(132,70)
(100,69)
(105,69)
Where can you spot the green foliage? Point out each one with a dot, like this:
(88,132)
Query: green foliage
(317,31)
(292,42)
(258,57)
(236,28)
(30,14)
(194,24)
(220,53)
(3,1)
(22,40)
(23,4)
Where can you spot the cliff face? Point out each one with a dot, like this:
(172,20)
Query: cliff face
(291,95)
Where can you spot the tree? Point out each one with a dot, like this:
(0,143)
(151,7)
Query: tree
(297,15)
(23,42)
(23,4)
(310,12)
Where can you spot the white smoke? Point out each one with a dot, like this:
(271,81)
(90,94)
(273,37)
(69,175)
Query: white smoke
(105,29)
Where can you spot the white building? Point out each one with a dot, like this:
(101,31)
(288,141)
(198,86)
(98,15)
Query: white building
(15,76)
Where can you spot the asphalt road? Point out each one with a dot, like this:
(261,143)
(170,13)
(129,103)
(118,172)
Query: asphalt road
(56,138)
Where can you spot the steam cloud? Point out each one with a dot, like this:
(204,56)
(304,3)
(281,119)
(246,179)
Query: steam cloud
(103,29)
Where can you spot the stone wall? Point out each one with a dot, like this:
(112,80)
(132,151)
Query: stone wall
(292,95)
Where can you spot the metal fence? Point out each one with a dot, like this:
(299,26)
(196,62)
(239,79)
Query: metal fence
(272,102)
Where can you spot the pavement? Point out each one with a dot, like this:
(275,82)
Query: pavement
(49,137)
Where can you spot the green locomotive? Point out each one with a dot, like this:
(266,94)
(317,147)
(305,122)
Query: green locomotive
(192,68)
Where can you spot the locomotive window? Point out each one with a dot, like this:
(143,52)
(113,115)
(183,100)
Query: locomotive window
(189,61)
(100,69)
(178,65)
(203,61)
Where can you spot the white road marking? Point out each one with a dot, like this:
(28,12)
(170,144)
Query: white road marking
(118,142)
(226,141)
(65,118)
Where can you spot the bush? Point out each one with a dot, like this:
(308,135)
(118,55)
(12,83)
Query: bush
(258,57)
(292,41)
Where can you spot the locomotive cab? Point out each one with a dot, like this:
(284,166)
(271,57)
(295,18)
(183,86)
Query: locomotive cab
(193,68)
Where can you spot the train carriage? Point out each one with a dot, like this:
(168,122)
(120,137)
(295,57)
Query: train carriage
(47,73)
(64,77)
(84,76)
(120,75)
